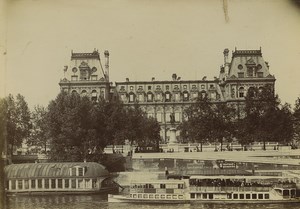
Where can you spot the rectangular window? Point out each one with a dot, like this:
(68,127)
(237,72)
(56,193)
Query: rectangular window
(158,117)
(88,183)
(80,183)
(162,196)
(169,196)
(260,196)
(235,196)
(59,183)
(33,184)
(168,119)
(53,184)
(184,86)
(40,185)
(67,183)
(185,96)
(149,97)
(260,74)
(248,196)
(157,196)
(149,88)
(177,97)
(46,182)
(73,183)
(141,98)
(211,196)
(242,196)
(26,184)
(151,196)
(20,184)
(177,115)
(145,196)
(267,196)
(254,196)
(162,186)
(168,97)
(241,75)
(174,196)
(180,197)
(73,171)
(74,78)
(229,196)
(13,184)
(131,98)
(94,77)
(167,88)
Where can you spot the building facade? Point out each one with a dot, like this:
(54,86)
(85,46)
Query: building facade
(167,100)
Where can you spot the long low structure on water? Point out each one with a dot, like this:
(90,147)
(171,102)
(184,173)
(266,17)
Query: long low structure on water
(79,177)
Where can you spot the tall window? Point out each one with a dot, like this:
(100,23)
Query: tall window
(131,97)
(149,97)
(168,97)
(185,96)
(241,92)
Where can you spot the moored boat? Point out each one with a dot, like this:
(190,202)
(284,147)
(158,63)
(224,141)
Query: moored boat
(52,178)
(212,189)
(162,191)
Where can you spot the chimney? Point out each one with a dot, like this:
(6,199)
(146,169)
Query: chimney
(106,54)
(153,79)
(226,62)
(127,79)
(174,76)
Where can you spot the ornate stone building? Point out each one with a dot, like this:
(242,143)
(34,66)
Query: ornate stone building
(86,75)
(167,100)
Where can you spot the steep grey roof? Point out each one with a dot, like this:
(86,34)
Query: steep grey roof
(48,170)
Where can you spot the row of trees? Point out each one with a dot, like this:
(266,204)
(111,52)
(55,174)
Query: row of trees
(260,118)
(75,127)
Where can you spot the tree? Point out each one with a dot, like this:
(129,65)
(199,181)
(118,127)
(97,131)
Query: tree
(38,136)
(197,127)
(208,121)
(18,121)
(296,121)
(70,127)
(265,119)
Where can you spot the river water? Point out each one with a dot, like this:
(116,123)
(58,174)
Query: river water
(100,202)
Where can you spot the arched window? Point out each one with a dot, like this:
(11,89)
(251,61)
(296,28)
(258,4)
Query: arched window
(251,92)
(241,92)
(83,92)
(74,92)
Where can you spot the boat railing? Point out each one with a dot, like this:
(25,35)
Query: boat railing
(285,185)
(228,189)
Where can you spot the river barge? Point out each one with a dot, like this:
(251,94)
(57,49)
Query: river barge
(70,178)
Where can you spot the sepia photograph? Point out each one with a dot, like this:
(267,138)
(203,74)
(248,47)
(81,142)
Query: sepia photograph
(157,104)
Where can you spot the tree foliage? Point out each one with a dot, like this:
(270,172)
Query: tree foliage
(208,122)
(18,123)
(80,129)
(38,134)
(265,119)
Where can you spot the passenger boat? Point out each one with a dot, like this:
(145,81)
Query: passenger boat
(212,189)
(45,178)
(242,189)
(161,191)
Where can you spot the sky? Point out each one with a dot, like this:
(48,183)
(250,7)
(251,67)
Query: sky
(146,38)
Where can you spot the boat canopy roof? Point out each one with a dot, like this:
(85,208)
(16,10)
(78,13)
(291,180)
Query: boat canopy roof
(237,177)
(50,170)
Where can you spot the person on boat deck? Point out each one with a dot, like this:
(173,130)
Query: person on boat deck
(166,171)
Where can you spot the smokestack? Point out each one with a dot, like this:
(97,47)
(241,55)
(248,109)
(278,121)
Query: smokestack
(174,76)
(106,54)
(226,62)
